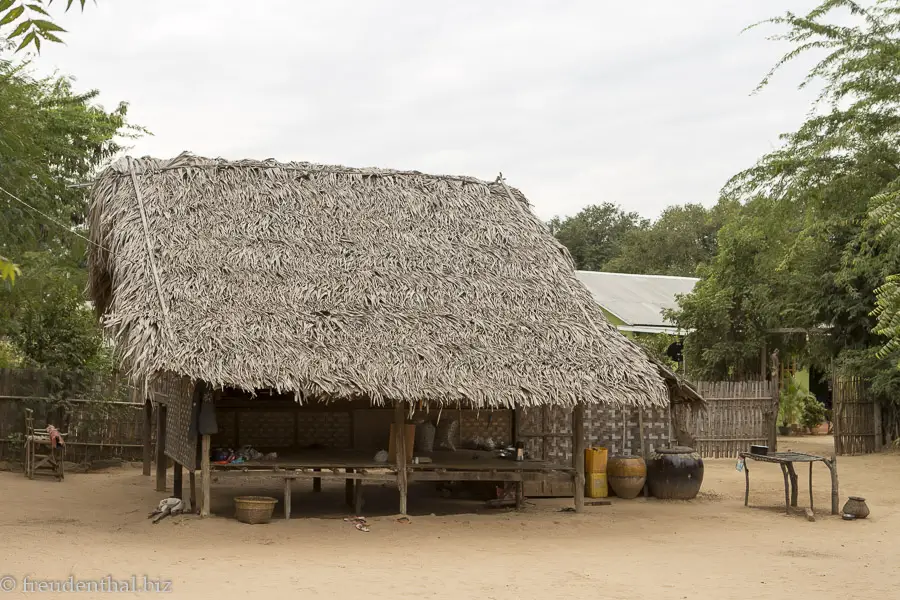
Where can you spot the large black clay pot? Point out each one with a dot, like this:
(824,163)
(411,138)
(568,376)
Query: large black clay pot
(675,473)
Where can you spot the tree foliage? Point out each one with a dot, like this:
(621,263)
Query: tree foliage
(683,238)
(29,23)
(595,235)
(47,320)
(50,138)
(805,252)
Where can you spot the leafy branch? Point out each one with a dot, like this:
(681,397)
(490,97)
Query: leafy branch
(31,22)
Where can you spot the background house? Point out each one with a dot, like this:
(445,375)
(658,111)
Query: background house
(635,303)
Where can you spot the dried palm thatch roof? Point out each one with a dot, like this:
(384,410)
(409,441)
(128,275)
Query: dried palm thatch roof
(341,282)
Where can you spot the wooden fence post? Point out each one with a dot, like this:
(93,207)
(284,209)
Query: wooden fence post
(877,418)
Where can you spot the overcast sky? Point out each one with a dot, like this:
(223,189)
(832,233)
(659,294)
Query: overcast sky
(644,104)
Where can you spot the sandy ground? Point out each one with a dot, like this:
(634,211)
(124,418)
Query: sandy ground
(95,525)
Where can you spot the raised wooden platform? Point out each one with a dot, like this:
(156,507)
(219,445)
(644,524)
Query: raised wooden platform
(356,467)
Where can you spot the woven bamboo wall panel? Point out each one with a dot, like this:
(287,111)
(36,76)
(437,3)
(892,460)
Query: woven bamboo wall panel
(176,393)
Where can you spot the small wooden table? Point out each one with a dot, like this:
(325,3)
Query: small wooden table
(786,461)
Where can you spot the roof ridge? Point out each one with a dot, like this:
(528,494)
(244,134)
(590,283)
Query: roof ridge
(186,160)
(681,277)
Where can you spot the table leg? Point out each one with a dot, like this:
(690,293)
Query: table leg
(747,486)
(793,476)
(835,498)
(811,506)
(787,498)
(287,498)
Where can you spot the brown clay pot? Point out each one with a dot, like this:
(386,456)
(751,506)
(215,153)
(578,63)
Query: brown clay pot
(626,475)
(856,506)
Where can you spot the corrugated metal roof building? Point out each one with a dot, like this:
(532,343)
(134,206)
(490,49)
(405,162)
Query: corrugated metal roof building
(636,302)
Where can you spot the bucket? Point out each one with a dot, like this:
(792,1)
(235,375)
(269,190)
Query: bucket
(595,459)
(410,443)
(595,485)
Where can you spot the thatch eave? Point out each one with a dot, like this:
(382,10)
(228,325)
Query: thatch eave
(340,282)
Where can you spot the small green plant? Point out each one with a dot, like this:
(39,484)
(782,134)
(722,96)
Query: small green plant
(813,412)
(793,400)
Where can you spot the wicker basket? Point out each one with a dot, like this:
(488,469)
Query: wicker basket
(254,509)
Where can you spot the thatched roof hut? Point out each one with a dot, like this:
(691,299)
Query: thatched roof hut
(350,283)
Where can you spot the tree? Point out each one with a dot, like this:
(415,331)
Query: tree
(29,21)
(886,214)
(805,252)
(50,138)
(683,238)
(47,320)
(594,236)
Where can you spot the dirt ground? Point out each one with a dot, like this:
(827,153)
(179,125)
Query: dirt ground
(94,525)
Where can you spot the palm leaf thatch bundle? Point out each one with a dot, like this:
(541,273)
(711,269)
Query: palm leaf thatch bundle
(349,283)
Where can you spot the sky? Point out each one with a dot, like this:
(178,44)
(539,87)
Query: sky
(643,104)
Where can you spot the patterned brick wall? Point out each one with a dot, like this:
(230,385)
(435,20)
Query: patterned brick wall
(616,429)
(605,426)
(300,427)
(497,425)
(280,428)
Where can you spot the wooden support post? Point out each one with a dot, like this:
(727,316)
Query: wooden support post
(643,446)
(317,482)
(672,440)
(400,450)
(358,498)
(517,430)
(193,484)
(287,497)
(348,489)
(177,488)
(776,402)
(161,459)
(877,418)
(578,451)
(205,496)
(763,363)
(147,433)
